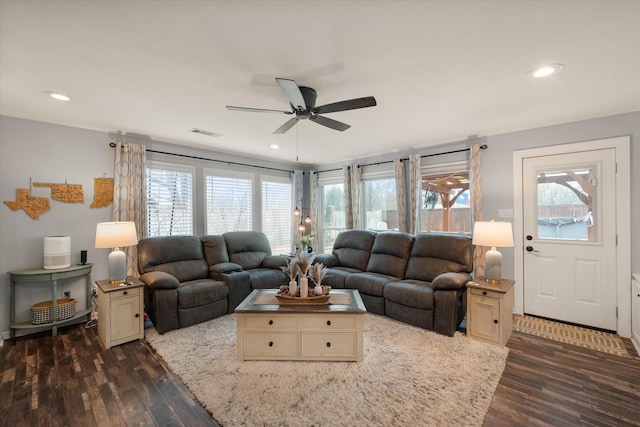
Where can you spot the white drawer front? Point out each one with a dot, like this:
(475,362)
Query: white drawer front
(124,293)
(485,293)
(329,345)
(329,322)
(275,344)
(267,322)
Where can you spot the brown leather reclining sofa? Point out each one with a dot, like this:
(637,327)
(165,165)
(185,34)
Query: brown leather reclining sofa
(418,279)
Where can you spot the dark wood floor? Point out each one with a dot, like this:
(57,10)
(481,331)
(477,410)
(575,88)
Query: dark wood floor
(71,380)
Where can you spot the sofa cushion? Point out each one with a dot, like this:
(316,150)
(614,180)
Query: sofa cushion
(185,260)
(267,278)
(336,275)
(199,292)
(247,248)
(214,249)
(435,253)
(411,293)
(353,248)
(368,283)
(390,253)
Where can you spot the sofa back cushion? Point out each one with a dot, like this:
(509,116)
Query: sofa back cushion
(435,253)
(353,248)
(247,248)
(215,249)
(390,253)
(180,256)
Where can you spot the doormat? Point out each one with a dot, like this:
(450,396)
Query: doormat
(593,339)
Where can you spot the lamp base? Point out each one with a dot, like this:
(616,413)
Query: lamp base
(492,266)
(117,267)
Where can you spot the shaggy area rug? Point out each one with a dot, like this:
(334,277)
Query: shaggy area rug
(409,376)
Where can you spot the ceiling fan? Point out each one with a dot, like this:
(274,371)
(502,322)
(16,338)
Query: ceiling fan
(303,105)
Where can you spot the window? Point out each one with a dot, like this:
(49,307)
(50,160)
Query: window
(169,199)
(380,204)
(333,214)
(446,202)
(229,201)
(276,213)
(566,201)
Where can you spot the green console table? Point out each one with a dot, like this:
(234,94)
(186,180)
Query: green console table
(20,277)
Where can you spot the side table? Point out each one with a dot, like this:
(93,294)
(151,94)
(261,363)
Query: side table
(53,276)
(490,310)
(120,312)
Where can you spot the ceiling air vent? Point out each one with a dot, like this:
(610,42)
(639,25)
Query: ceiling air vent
(206,132)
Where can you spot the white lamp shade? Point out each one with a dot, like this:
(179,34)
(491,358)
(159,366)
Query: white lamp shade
(493,234)
(116,234)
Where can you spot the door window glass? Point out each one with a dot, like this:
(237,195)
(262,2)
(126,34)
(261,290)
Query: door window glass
(566,203)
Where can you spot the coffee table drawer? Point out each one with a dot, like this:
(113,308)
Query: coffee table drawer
(330,322)
(335,345)
(270,345)
(270,322)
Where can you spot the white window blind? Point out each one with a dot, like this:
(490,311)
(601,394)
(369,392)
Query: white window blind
(276,213)
(229,201)
(169,199)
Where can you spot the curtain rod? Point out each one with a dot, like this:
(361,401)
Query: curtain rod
(113,145)
(483,147)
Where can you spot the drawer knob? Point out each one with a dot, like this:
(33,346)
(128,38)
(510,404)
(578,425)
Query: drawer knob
(137,315)
(328,322)
(495,321)
(484,292)
(271,322)
(125,293)
(270,343)
(328,344)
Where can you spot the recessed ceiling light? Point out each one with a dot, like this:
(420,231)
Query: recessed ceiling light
(545,70)
(274,146)
(56,95)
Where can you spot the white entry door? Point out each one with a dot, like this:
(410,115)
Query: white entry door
(569,227)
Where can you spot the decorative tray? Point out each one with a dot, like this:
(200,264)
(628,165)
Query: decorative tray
(284,298)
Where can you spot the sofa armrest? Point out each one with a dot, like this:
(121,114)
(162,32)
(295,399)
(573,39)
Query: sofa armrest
(450,281)
(160,280)
(239,283)
(223,267)
(275,261)
(329,260)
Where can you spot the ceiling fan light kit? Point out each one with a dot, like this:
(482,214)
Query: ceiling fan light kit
(302,100)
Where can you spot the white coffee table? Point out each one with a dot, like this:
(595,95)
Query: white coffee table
(330,332)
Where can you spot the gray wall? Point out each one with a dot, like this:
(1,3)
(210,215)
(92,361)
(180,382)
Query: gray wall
(497,167)
(54,153)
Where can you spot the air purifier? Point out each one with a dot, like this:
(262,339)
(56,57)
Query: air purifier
(57,252)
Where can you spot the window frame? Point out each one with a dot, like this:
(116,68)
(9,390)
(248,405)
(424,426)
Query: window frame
(276,179)
(375,175)
(329,178)
(230,174)
(172,167)
(443,168)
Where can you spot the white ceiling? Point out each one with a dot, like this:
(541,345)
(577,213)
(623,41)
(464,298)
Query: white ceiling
(440,70)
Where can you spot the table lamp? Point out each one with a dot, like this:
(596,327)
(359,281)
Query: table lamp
(493,234)
(116,235)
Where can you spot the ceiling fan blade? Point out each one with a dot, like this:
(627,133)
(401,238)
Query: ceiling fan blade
(351,104)
(292,91)
(257,110)
(330,123)
(287,125)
